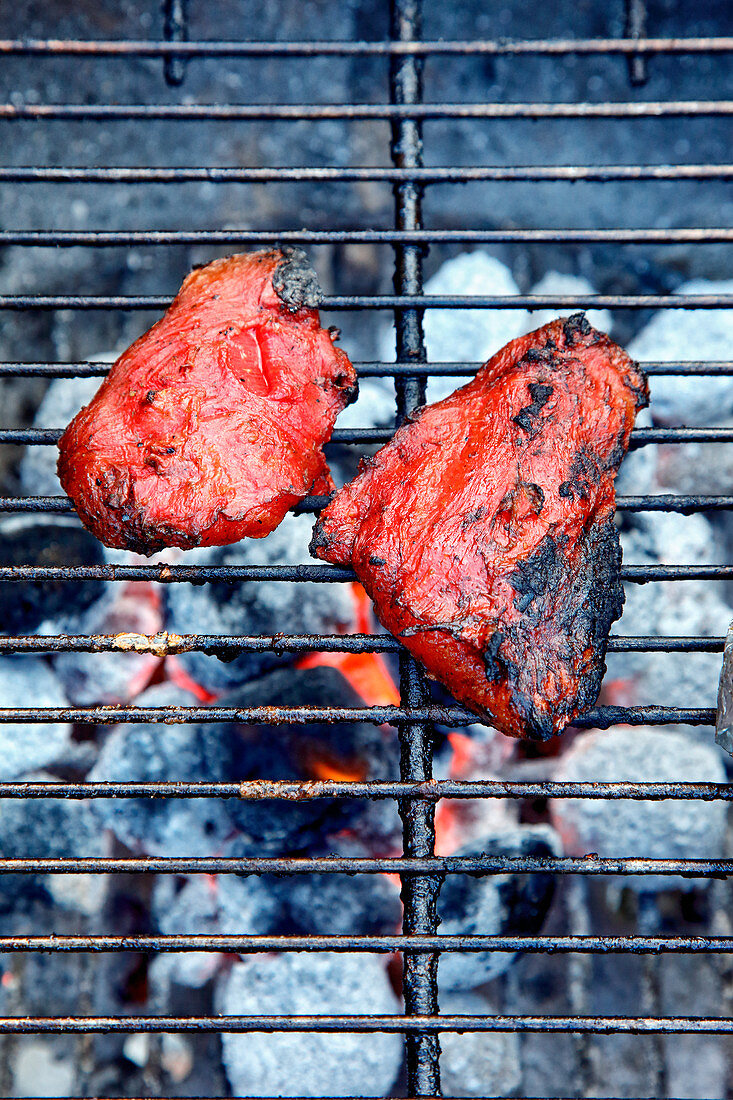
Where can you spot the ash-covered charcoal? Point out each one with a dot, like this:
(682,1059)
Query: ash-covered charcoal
(484,529)
(334,750)
(494,904)
(477,1063)
(653,830)
(697,467)
(24,746)
(160,753)
(61,402)
(560,283)
(53,828)
(208,905)
(640,470)
(26,607)
(669,608)
(114,677)
(475,334)
(724,716)
(264,607)
(322,905)
(310,1063)
(697,334)
(231,752)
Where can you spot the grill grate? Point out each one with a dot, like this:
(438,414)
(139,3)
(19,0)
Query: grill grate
(421,871)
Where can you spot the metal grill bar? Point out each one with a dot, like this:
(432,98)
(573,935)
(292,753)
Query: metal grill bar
(432,866)
(165,644)
(56,47)
(433,789)
(360,112)
(419,893)
(597,718)
(104,239)
(396,301)
(573,173)
(89,369)
(659,502)
(242,945)
(639,437)
(418,1025)
(319,574)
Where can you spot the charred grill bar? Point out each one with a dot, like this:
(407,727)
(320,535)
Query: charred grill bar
(417,794)
(419,892)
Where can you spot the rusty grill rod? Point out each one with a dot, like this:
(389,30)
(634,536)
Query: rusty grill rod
(433,790)
(356,865)
(601,717)
(242,945)
(97,238)
(395,301)
(658,502)
(60,47)
(89,369)
(360,112)
(573,173)
(165,644)
(318,574)
(600,1025)
(639,437)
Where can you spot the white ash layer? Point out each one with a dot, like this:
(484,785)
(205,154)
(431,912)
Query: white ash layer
(668,609)
(652,830)
(564,284)
(477,1063)
(262,608)
(207,905)
(470,335)
(61,402)
(309,1063)
(158,753)
(26,746)
(689,334)
(53,828)
(494,904)
(115,677)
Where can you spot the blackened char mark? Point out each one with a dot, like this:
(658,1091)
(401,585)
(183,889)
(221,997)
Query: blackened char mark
(595,601)
(540,393)
(533,577)
(585,472)
(638,384)
(575,325)
(319,541)
(616,456)
(295,282)
(495,666)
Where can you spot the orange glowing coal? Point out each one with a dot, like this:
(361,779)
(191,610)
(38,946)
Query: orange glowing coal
(366,672)
(343,771)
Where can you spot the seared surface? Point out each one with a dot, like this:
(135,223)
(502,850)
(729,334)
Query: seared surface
(210,427)
(484,530)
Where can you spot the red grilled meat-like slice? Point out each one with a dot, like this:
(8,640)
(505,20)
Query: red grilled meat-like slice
(484,530)
(210,427)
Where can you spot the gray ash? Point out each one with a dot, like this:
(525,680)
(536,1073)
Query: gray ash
(46,542)
(232,752)
(495,904)
(255,608)
(295,282)
(308,1063)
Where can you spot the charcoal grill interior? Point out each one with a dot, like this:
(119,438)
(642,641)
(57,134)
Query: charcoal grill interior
(373,180)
